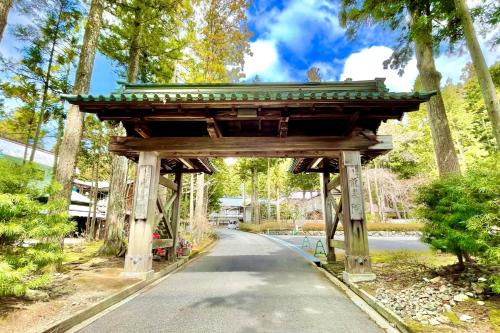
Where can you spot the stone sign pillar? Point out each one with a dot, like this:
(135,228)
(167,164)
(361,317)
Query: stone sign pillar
(357,259)
(139,258)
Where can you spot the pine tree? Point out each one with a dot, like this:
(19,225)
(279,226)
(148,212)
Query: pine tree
(24,216)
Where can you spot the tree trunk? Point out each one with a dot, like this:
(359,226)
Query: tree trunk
(278,207)
(268,189)
(114,243)
(57,148)
(74,125)
(461,265)
(117,198)
(446,157)
(244,199)
(395,204)
(94,199)
(5,6)
(370,198)
(191,200)
(379,200)
(197,228)
(483,75)
(134,51)
(255,197)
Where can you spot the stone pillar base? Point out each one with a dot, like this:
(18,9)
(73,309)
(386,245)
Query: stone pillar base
(354,277)
(138,266)
(138,275)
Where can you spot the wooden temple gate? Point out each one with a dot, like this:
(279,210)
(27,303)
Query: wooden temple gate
(328,128)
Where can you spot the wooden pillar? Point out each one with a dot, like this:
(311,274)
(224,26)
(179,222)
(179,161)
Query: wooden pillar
(176,209)
(357,259)
(327,215)
(138,260)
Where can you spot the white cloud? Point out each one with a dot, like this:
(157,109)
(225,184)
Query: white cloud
(265,62)
(367,65)
(298,23)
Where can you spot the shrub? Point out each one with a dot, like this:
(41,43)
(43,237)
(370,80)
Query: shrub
(313,226)
(24,216)
(263,227)
(462,212)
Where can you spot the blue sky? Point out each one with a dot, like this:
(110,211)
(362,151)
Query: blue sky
(290,36)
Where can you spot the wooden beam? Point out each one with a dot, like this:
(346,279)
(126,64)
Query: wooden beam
(333,184)
(213,129)
(294,146)
(336,219)
(163,211)
(168,183)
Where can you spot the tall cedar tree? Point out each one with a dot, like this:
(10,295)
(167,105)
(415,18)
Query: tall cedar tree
(74,124)
(218,45)
(419,31)
(143,37)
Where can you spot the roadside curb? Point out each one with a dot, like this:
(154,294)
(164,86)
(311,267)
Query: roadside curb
(397,323)
(92,310)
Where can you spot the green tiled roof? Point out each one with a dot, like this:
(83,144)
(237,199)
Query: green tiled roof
(164,93)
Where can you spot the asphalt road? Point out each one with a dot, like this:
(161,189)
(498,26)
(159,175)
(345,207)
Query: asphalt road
(246,283)
(375,243)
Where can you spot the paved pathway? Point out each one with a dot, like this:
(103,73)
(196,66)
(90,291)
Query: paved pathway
(247,283)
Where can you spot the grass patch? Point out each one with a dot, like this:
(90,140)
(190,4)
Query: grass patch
(494,313)
(453,318)
(77,252)
(429,258)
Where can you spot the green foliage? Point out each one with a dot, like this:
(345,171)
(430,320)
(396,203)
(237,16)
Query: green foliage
(30,230)
(462,213)
(474,103)
(219,41)
(151,28)
(304,182)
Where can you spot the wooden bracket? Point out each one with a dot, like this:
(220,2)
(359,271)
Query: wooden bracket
(168,183)
(213,129)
